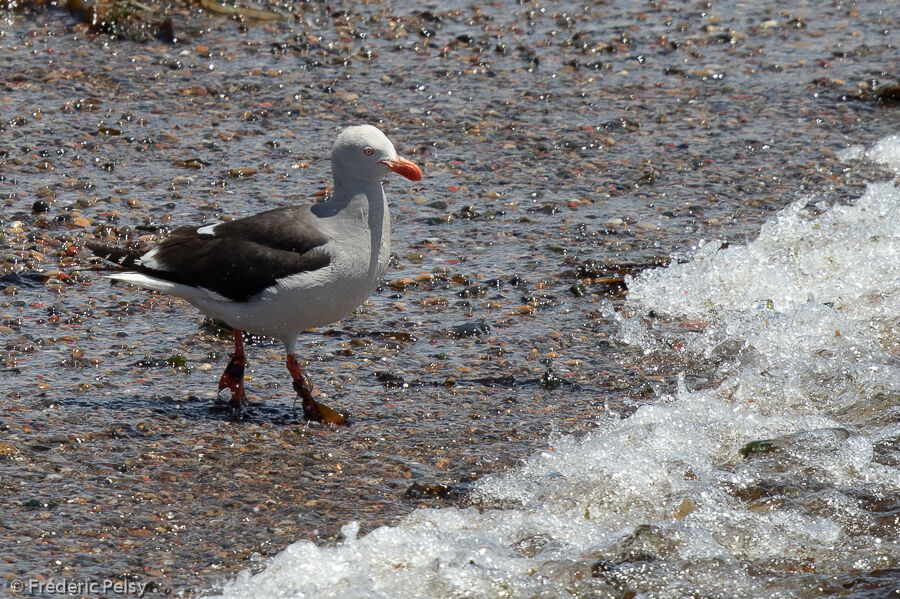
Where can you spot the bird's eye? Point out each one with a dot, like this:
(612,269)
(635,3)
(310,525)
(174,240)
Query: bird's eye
(368,151)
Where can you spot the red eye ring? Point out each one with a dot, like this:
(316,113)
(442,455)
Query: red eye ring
(368,151)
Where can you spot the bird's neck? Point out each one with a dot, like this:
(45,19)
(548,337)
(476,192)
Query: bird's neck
(361,209)
(355,200)
(353,194)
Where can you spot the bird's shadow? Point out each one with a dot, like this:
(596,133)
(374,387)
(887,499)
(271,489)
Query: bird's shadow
(196,408)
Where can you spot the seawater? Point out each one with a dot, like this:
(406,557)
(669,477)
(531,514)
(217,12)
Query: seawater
(780,479)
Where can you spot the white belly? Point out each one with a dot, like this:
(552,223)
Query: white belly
(300,302)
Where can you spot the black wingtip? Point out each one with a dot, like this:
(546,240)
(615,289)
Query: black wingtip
(117,255)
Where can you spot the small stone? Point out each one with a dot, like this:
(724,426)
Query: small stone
(401,284)
(888,93)
(550,381)
(166,31)
(176,361)
(470,329)
(684,508)
(8,449)
(40,206)
(758,447)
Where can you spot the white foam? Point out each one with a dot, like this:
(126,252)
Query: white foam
(885,151)
(804,324)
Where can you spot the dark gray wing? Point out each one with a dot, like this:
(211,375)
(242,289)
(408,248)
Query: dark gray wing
(240,258)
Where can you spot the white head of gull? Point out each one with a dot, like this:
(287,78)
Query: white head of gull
(282,271)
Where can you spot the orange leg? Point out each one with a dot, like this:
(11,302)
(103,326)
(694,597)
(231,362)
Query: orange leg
(233,377)
(312,409)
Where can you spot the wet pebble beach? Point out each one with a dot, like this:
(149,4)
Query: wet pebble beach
(565,146)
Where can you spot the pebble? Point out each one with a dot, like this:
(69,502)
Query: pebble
(8,449)
(684,508)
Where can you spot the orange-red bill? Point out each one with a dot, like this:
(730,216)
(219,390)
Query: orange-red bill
(404,167)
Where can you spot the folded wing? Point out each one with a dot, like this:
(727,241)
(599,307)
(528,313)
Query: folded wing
(236,259)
